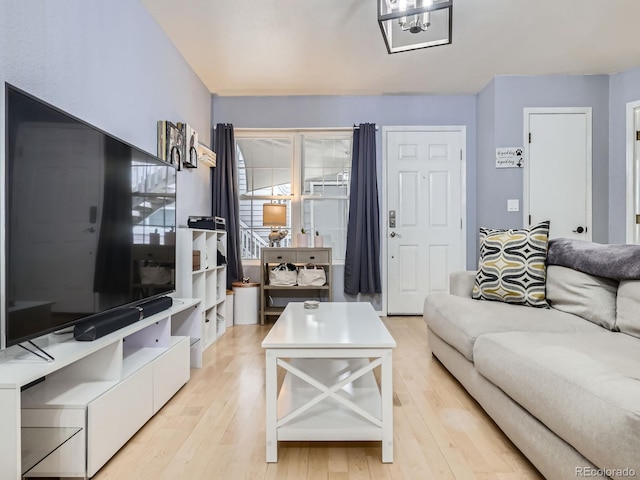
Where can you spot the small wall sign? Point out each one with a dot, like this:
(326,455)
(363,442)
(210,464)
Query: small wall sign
(509,157)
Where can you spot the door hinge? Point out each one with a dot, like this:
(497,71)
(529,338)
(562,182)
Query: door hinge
(529,137)
(461,223)
(460,154)
(637,219)
(638,135)
(529,219)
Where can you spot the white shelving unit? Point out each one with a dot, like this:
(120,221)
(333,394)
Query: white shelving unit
(67,417)
(208,282)
(300,256)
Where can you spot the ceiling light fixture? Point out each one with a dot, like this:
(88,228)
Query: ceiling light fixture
(412,24)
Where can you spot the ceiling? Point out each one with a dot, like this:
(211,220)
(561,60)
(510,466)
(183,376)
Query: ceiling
(334,47)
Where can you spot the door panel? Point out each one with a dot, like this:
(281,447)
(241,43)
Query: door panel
(439,199)
(407,259)
(408,185)
(439,272)
(424,172)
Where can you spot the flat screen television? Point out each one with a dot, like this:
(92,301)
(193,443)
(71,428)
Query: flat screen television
(89,221)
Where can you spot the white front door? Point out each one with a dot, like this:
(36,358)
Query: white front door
(557,170)
(424,219)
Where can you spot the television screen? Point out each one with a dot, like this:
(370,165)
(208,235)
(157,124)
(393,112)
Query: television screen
(90,221)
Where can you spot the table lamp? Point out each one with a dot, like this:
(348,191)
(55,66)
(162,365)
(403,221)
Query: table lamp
(274,215)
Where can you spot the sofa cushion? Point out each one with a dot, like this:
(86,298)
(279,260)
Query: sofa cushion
(628,307)
(461,283)
(590,297)
(584,387)
(460,321)
(512,265)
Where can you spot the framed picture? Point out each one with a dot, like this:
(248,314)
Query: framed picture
(190,157)
(162,140)
(175,145)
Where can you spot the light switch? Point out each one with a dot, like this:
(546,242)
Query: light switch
(513,205)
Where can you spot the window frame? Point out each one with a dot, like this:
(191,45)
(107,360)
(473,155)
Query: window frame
(297,197)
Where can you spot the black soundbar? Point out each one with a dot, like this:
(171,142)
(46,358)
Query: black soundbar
(109,322)
(155,306)
(102,325)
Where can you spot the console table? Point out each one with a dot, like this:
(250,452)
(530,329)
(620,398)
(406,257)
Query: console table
(270,257)
(79,409)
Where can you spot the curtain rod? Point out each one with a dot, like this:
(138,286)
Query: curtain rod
(303,129)
(357,127)
(293,129)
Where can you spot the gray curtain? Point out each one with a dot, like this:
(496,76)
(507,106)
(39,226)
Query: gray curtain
(362,262)
(224,196)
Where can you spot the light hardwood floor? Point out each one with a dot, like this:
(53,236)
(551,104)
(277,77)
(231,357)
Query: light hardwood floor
(214,428)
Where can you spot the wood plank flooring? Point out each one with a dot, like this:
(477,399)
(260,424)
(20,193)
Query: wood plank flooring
(214,427)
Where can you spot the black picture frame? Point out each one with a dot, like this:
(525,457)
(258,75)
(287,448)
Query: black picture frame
(190,156)
(175,145)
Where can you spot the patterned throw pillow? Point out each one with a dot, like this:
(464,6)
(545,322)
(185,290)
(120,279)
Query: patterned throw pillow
(512,265)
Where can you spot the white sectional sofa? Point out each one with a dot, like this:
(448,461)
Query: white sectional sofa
(563,383)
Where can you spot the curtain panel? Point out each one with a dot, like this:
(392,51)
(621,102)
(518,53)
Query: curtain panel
(362,262)
(224,196)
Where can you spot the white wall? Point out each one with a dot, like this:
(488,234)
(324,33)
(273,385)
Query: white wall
(108,63)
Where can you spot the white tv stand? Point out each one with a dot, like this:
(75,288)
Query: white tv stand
(95,395)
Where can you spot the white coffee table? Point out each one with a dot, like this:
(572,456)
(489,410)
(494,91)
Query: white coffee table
(329,392)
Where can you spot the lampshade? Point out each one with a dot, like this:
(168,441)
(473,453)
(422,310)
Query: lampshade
(412,24)
(274,214)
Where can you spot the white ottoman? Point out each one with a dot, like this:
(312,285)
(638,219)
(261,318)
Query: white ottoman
(245,303)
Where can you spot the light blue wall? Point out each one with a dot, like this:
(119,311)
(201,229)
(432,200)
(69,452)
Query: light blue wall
(486,120)
(344,111)
(623,88)
(106,62)
(110,64)
(511,95)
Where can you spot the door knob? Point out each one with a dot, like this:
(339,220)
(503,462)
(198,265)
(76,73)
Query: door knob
(394,234)
(579,230)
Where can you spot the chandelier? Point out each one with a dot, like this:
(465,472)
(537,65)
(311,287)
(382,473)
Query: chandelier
(412,24)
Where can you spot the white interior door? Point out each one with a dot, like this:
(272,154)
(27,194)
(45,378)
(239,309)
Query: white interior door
(425,216)
(557,175)
(632,210)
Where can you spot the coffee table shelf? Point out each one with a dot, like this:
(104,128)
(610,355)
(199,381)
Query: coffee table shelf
(329,420)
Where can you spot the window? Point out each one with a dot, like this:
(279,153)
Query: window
(309,171)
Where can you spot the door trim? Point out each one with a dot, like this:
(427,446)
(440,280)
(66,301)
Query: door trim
(462,129)
(630,180)
(525,141)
